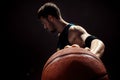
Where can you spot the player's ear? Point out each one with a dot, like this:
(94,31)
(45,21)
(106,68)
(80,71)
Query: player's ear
(50,18)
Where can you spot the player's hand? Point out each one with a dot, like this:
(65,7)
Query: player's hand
(87,48)
(74,45)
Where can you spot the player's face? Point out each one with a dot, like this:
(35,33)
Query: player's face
(48,25)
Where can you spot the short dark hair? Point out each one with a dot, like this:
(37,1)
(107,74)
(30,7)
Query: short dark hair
(49,8)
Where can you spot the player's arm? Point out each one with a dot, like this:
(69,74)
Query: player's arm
(95,45)
(79,35)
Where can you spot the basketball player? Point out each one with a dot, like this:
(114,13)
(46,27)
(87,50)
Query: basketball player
(69,34)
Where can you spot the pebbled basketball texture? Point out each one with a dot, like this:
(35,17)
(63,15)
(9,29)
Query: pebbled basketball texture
(74,64)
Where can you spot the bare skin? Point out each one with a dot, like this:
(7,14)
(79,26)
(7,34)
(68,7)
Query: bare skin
(76,35)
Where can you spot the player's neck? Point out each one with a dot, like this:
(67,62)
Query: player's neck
(61,25)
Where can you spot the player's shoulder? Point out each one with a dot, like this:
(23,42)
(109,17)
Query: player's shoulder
(76,28)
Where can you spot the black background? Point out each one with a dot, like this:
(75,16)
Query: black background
(26,45)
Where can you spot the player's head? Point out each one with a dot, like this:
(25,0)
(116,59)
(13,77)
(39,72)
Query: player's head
(48,14)
(49,9)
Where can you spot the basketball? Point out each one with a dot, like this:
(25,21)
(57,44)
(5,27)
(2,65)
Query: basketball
(74,63)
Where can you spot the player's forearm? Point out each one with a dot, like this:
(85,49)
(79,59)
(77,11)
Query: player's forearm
(97,47)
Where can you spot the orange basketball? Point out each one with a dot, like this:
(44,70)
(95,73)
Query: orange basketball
(74,63)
